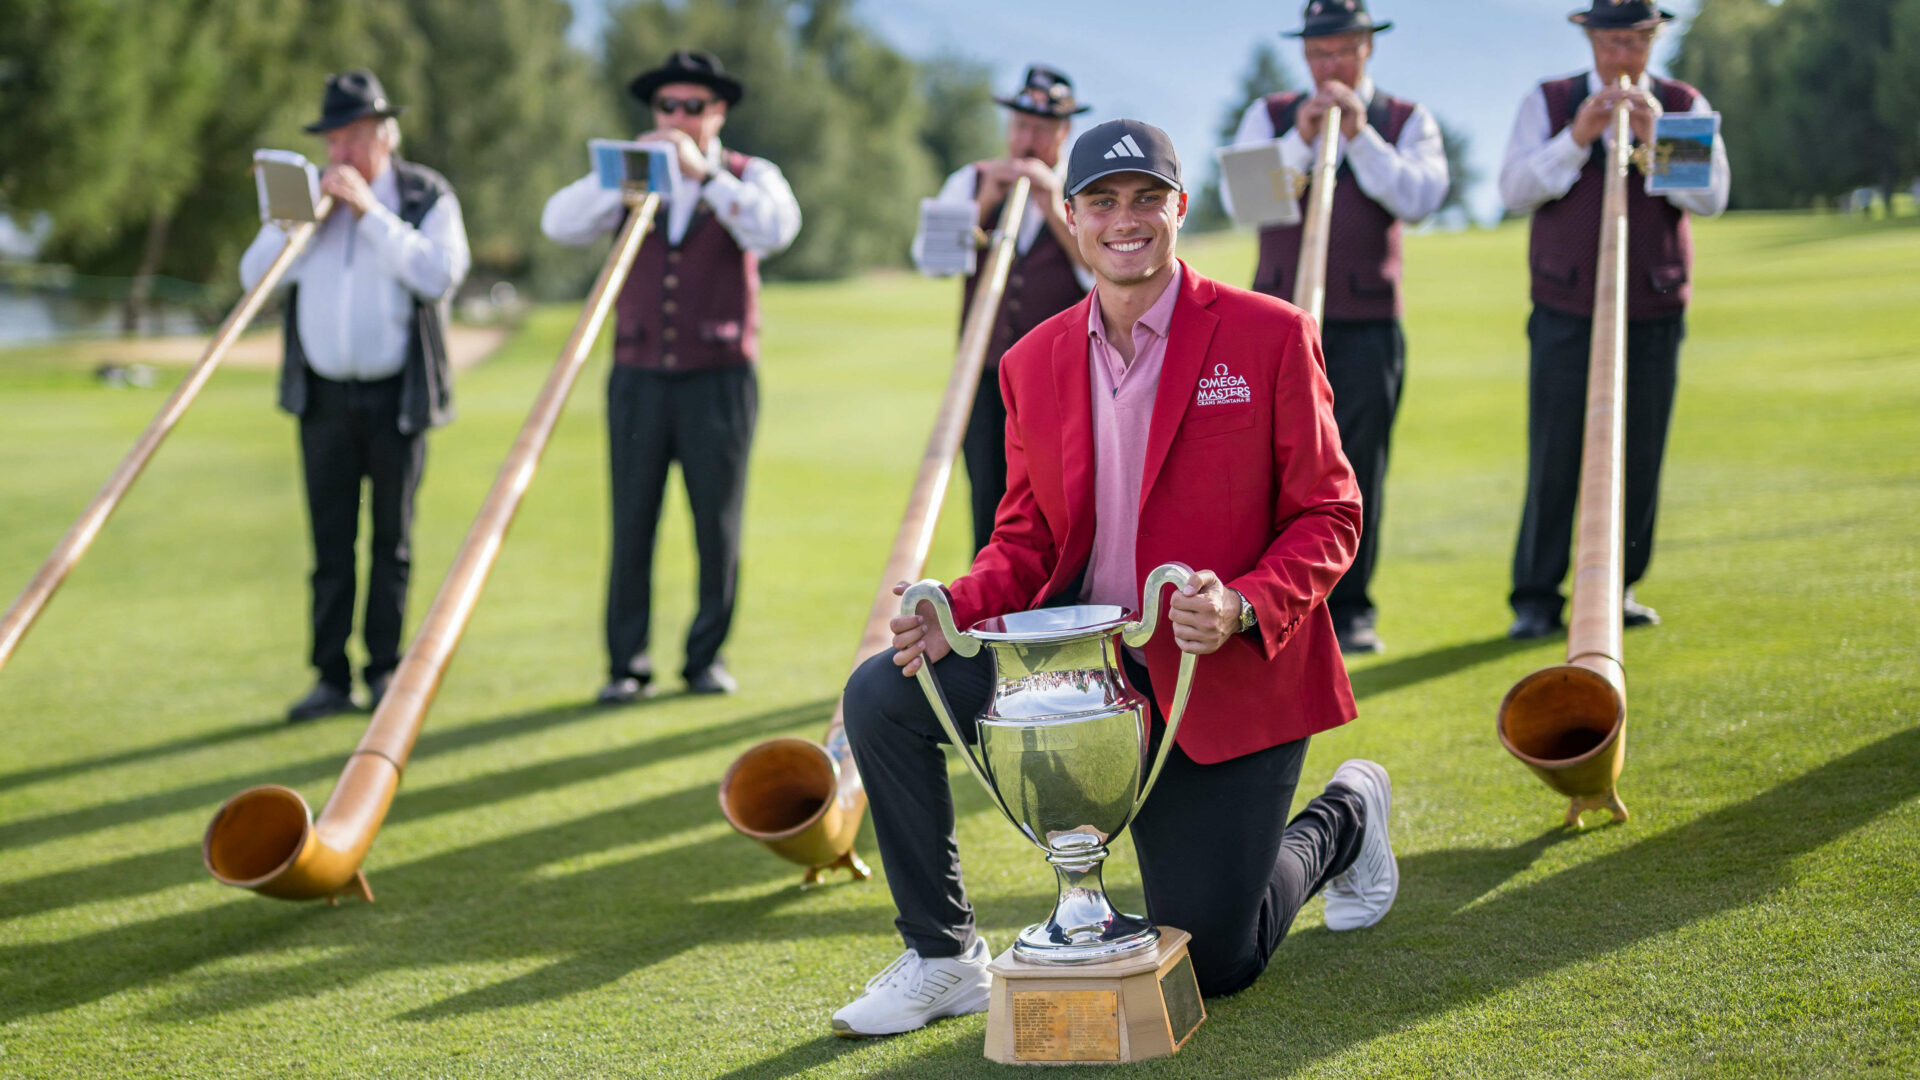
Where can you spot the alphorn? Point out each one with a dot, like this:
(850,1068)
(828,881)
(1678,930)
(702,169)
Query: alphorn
(1310,277)
(1568,722)
(265,838)
(804,800)
(66,554)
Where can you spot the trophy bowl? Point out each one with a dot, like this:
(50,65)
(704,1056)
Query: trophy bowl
(1063,750)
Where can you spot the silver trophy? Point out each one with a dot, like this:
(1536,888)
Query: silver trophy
(1063,750)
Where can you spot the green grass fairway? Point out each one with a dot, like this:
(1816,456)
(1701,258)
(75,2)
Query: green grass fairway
(559,897)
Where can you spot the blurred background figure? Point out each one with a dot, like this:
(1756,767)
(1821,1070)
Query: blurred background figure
(1047,275)
(686,339)
(365,370)
(1555,167)
(1393,169)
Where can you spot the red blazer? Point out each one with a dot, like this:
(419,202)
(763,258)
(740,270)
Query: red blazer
(1253,487)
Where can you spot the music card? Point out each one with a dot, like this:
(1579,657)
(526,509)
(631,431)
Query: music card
(632,166)
(1682,153)
(288,186)
(1264,191)
(947,238)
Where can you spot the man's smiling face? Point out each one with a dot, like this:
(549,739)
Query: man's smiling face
(1125,224)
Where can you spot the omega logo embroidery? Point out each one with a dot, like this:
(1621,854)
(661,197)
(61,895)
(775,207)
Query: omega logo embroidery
(1223,388)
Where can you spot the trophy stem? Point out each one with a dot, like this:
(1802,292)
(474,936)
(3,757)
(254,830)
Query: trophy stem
(1084,927)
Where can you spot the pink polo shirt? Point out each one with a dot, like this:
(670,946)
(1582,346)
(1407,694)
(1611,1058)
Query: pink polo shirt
(1123,397)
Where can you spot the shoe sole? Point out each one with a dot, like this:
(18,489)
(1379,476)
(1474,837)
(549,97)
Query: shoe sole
(1378,773)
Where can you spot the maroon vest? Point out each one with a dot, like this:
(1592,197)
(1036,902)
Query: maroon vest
(1040,285)
(1564,253)
(1363,257)
(693,306)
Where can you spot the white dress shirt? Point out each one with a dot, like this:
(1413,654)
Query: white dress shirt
(358,280)
(1407,176)
(1541,166)
(757,209)
(962,188)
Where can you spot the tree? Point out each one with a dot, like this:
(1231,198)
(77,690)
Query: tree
(1265,74)
(962,123)
(1461,173)
(839,110)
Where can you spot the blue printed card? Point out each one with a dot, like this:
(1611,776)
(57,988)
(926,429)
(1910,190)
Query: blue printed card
(1683,153)
(637,166)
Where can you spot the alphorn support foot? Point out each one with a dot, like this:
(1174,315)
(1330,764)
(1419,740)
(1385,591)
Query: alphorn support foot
(817,875)
(1606,800)
(357,887)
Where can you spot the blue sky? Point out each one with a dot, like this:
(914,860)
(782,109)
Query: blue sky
(1176,65)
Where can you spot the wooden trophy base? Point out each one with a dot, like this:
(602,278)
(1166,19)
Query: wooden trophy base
(1135,1008)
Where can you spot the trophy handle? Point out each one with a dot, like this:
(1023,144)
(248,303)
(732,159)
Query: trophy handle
(965,645)
(1139,633)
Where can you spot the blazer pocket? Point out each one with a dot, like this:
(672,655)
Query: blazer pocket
(1209,420)
(1666,279)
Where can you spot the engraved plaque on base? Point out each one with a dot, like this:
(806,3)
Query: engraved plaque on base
(1136,1008)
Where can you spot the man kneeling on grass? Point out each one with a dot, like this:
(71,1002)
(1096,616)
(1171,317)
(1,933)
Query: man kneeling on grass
(1118,463)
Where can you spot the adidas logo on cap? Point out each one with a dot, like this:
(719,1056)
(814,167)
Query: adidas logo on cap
(1126,147)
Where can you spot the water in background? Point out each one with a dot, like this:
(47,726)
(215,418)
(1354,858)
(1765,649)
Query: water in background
(28,316)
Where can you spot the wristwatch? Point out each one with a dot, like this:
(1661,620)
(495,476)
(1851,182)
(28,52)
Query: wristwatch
(1248,620)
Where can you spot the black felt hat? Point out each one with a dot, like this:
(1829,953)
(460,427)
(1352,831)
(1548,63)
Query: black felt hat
(1046,92)
(1324,18)
(349,97)
(1621,15)
(689,66)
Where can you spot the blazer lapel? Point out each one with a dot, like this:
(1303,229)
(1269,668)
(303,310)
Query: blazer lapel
(1073,389)
(1188,337)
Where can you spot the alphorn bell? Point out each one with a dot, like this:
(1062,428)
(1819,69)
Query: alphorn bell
(1568,722)
(265,838)
(1310,277)
(66,554)
(802,799)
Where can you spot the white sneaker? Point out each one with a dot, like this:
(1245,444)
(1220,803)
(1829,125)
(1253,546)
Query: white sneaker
(912,991)
(1362,895)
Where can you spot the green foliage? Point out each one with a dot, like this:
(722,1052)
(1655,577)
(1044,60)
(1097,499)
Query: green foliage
(841,112)
(1817,97)
(962,120)
(1265,74)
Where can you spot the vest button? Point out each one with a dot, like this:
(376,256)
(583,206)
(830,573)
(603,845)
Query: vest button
(673,256)
(669,307)
(1013,304)
(668,360)
(1015,281)
(669,334)
(670,280)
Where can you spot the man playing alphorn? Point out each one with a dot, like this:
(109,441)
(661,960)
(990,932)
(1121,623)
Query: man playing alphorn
(1119,459)
(1046,277)
(686,339)
(365,370)
(1555,168)
(1393,169)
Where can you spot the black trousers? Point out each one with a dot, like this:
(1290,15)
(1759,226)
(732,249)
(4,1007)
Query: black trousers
(1366,366)
(351,450)
(1218,858)
(984,447)
(1556,424)
(704,420)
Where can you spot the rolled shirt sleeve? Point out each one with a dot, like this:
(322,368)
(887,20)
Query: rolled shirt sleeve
(757,208)
(430,261)
(581,213)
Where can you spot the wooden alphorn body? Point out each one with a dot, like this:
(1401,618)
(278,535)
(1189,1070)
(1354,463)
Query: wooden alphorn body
(1568,722)
(1310,277)
(20,617)
(804,800)
(265,838)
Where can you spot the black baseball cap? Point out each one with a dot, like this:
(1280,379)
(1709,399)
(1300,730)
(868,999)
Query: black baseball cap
(1119,146)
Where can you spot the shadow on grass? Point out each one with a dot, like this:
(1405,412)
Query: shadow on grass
(1433,664)
(237,733)
(151,871)
(1452,940)
(448,740)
